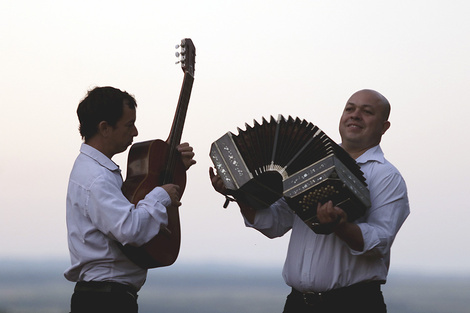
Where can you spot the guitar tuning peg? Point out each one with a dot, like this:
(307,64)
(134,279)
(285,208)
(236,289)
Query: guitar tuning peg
(177,54)
(177,46)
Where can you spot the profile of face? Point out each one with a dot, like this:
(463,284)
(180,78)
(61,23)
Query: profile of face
(364,120)
(122,134)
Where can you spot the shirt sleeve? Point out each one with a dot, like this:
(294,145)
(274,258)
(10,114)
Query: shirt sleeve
(274,221)
(112,214)
(387,214)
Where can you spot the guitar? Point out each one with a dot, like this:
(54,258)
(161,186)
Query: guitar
(155,163)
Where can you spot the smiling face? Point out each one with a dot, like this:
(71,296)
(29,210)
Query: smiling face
(363,122)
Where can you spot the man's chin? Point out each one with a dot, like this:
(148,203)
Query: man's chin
(352,140)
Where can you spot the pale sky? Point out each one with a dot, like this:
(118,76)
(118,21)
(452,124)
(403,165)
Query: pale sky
(254,59)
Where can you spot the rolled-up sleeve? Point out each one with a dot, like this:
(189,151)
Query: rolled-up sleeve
(389,210)
(274,221)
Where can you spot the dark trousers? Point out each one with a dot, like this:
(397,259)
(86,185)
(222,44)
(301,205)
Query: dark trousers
(103,297)
(363,298)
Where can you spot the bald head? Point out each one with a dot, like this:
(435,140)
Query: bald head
(381,100)
(364,121)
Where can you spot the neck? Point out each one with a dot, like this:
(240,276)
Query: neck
(98,145)
(356,152)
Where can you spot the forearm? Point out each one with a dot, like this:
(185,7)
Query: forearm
(248,212)
(351,234)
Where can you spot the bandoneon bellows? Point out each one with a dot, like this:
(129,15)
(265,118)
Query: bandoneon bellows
(290,158)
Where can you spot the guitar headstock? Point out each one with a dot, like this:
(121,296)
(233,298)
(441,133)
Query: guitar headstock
(187,55)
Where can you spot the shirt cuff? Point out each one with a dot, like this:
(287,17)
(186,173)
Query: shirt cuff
(370,237)
(162,196)
(157,201)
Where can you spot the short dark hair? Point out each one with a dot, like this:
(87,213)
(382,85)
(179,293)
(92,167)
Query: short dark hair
(102,104)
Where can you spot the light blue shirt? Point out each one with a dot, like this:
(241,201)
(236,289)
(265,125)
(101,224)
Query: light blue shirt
(323,262)
(98,215)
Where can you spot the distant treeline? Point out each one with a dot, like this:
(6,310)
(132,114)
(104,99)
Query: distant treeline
(39,287)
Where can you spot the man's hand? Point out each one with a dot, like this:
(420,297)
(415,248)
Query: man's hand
(217,182)
(219,186)
(174,193)
(187,154)
(327,213)
(347,231)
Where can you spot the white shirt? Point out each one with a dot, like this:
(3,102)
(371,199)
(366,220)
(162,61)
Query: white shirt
(98,215)
(324,262)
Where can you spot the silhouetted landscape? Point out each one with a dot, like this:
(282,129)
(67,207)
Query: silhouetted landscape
(39,287)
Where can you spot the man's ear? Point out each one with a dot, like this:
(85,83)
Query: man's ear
(385,127)
(104,128)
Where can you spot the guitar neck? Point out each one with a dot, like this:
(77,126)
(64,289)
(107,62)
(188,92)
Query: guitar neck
(176,131)
(188,54)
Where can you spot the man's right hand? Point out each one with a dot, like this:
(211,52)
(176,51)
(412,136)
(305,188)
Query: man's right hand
(174,193)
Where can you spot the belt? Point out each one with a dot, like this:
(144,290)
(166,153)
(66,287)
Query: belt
(104,286)
(312,298)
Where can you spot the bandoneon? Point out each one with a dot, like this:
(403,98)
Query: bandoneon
(294,159)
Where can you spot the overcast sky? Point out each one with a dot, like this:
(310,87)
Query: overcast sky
(254,59)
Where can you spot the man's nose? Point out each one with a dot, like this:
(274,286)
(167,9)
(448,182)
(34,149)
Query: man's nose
(356,115)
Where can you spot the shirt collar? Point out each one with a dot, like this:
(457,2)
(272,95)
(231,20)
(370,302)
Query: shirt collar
(99,157)
(373,154)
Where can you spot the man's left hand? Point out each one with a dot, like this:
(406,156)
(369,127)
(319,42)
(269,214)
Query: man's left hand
(187,154)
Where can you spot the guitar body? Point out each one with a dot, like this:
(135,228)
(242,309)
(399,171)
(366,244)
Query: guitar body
(146,170)
(156,163)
